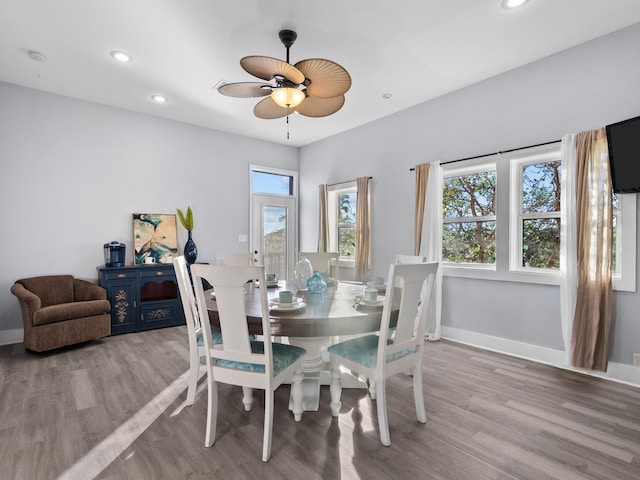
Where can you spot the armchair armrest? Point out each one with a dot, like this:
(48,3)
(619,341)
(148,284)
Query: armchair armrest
(26,298)
(84,290)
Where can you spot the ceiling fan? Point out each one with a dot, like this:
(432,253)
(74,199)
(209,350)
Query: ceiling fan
(314,87)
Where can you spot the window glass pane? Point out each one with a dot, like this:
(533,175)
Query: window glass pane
(469,242)
(469,195)
(347,204)
(541,243)
(347,241)
(275,240)
(263,182)
(541,187)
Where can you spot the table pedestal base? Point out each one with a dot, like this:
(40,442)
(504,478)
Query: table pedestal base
(316,372)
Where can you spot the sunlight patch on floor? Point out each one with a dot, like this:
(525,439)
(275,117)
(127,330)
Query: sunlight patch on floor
(103,454)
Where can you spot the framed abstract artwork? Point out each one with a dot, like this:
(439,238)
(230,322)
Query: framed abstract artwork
(155,238)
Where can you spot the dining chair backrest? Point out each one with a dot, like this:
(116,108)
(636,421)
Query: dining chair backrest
(323,262)
(192,319)
(414,281)
(410,259)
(243,258)
(230,283)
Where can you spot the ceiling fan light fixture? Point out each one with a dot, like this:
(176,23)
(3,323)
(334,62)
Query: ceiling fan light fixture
(287,97)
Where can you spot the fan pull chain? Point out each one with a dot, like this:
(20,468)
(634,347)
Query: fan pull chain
(287,127)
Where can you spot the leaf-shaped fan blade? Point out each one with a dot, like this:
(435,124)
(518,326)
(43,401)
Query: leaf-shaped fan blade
(320,107)
(244,90)
(328,79)
(267,68)
(268,109)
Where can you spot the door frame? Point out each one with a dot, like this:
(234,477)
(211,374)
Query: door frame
(255,214)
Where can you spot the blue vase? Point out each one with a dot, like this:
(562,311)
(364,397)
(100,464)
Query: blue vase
(190,250)
(316,283)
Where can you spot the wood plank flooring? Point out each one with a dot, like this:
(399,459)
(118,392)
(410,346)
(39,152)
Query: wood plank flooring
(113,409)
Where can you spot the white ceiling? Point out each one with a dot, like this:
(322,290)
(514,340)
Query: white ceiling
(415,50)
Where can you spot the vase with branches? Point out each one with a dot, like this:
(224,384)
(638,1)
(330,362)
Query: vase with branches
(190,248)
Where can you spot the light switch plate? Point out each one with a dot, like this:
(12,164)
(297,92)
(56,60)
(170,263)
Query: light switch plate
(243,238)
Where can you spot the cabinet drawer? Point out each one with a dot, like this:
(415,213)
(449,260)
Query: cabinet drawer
(147,272)
(118,274)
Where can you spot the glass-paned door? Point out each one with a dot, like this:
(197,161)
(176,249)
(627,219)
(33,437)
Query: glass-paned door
(273,233)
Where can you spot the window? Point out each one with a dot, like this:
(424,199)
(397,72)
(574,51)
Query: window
(535,206)
(624,242)
(469,216)
(342,206)
(271,182)
(501,220)
(346,227)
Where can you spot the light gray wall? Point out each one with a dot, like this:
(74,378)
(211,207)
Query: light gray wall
(586,87)
(73,172)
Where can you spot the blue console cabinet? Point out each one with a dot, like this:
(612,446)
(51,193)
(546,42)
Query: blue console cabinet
(142,297)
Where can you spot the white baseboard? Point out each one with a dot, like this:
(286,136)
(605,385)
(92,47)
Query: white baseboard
(616,371)
(9,337)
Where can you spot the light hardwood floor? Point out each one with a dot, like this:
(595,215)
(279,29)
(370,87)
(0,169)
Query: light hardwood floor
(113,409)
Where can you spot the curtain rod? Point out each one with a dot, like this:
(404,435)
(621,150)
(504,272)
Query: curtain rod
(495,153)
(346,181)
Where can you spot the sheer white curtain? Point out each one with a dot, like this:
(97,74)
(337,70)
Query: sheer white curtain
(431,245)
(568,241)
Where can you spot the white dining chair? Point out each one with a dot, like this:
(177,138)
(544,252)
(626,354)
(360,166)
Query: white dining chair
(390,352)
(240,360)
(323,262)
(410,259)
(192,318)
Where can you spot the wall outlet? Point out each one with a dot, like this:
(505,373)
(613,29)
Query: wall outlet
(636,359)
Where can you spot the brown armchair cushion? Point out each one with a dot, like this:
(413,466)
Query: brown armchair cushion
(67,311)
(51,289)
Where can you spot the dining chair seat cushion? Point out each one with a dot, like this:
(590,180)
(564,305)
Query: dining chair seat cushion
(283,356)
(363,350)
(216,336)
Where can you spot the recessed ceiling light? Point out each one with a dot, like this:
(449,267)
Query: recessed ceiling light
(386,96)
(511,4)
(121,56)
(159,98)
(37,56)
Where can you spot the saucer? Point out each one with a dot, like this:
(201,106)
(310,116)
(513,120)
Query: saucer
(370,303)
(287,307)
(277,302)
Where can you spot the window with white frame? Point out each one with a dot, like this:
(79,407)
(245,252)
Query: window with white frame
(535,211)
(342,207)
(502,220)
(469,216)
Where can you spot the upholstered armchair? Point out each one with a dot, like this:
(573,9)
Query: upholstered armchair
(60,310)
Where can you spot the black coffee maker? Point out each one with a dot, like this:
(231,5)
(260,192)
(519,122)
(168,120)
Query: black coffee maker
(114,254)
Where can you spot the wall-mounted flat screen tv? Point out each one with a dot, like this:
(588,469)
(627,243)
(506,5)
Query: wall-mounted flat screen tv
(624,155)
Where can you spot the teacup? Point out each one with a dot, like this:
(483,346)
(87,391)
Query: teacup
(370,294)
(271,277)
(285,296)
(149,260)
